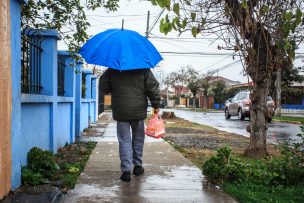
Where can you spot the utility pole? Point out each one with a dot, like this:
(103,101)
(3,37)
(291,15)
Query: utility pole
(148,26)
(168,90)
(278,92)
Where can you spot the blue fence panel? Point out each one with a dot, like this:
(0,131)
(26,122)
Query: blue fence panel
(292,106)
(217,106)
(63,123)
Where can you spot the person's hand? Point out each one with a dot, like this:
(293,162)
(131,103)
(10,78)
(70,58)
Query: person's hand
(156,111)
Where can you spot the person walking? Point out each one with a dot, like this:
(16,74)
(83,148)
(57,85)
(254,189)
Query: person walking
(130,91)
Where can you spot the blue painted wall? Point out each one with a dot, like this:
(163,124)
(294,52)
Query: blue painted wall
(16,89)
(35,131)
(93,111)
(84,114)
(47,121)
(63,122)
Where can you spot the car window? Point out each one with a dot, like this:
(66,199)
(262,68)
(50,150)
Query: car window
(235,98)
(242,96)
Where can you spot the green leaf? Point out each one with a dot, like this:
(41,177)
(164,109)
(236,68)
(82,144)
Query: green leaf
(175,23)
(264,10)
(299,13)
(176,8)
(298,17)
(161,3)
(188,2)
(178,21)
(73,170)
(288,16)
(244,3)
(154,3)
(168,4)
(162,26)
(193,16)
(184,23)
(169,27)
(194,31)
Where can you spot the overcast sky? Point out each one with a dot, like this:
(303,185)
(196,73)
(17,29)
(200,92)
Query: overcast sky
(134,14)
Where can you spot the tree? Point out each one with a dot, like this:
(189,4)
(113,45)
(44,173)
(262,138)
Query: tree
(205,83)
(217,91)
(192,79)
(67,17)
(264,33)
(230,92)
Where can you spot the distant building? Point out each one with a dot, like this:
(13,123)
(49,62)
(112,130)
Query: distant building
(181,90)
(226,80)
(243,85)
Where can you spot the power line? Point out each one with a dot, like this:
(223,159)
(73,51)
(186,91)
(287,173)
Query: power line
(155,21)
(114,16)
(217,62)
(197,53)
(184,38)
(188,55)
(224,67)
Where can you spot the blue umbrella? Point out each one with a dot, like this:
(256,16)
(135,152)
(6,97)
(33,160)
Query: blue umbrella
(120,49)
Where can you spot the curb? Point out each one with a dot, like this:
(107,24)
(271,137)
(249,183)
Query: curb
(292,122)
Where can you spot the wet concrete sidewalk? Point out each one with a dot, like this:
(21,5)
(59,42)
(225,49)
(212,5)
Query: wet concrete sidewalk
(169,177)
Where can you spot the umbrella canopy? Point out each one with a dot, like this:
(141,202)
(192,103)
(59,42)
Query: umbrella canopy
(120,49)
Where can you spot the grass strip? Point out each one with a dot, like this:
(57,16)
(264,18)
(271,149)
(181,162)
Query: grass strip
(289,119)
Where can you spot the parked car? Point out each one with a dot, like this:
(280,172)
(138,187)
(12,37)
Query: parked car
(240,105)
(162,103)
(227,102)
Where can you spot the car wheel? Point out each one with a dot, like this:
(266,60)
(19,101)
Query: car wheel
(227,115)
(240,115)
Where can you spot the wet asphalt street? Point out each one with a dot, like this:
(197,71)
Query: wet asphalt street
(277,131)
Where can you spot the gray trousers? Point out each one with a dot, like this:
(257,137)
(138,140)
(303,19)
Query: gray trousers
(130,149)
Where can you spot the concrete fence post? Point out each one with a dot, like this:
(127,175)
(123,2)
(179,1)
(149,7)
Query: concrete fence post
(94,98)
(78,97)
(70,72)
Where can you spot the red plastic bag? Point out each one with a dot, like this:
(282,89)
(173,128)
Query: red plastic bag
(155,127)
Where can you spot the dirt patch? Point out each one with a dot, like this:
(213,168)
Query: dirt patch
(176,130)
(198,142)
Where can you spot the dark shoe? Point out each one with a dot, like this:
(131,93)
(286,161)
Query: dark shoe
(138,170)
(126,176)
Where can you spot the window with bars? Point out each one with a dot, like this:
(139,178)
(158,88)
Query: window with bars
(61,70)
(31,65)
(83,86)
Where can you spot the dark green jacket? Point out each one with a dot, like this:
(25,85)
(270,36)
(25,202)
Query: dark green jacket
(129,90)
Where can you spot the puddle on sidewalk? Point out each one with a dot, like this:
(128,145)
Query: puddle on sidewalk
(178,184)
(55,196)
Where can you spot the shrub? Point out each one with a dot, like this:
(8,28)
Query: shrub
(285,170)
(42,162)
(41,166)
(291,166)
(223,166)
(31,178)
